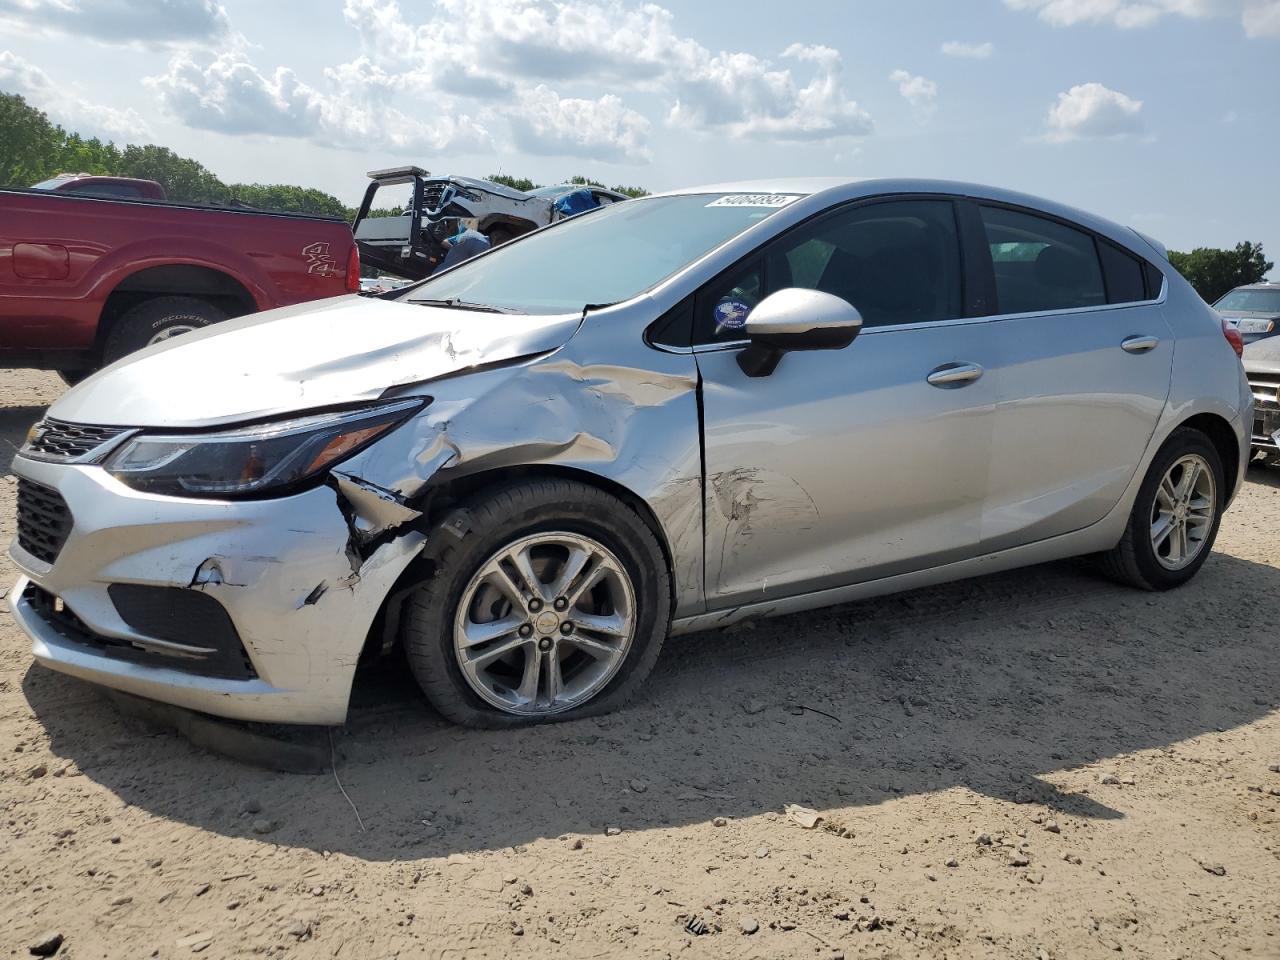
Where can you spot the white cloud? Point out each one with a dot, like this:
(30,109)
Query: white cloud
(65,106)
(544,123)
(920,92)
(230,95)
(1259,17)
(744,96)
(1262,19)
(1090,111)
(971,51)
(559,73)
(124,22)
(487,49)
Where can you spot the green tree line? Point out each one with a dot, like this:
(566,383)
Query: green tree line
(32,148)
(1214,272)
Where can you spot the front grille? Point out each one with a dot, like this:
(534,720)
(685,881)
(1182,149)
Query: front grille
(44,520)
(58,441)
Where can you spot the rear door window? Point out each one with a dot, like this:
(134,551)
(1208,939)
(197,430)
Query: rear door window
(1041,264)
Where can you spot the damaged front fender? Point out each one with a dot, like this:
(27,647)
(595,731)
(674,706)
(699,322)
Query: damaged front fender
(583,408)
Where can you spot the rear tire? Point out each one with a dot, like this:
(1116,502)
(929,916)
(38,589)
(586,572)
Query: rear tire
(1153,554)
(157,319)
(545,513)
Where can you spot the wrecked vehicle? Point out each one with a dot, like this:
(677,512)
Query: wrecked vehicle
(411,244)
(675,414)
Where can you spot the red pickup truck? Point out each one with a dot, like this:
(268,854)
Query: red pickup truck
(86,279)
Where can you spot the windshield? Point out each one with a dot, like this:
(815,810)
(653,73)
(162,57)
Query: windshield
(1251,301)
(50,184)
(607,256)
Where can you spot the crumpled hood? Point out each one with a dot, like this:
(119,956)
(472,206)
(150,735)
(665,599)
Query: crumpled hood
(342,350)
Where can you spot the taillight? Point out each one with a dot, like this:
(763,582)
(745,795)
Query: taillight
(353,270)
(1233,338)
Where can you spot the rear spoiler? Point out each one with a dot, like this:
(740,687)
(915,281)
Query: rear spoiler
(1156,245)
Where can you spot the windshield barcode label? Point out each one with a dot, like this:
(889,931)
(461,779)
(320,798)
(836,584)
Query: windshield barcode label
(754,200)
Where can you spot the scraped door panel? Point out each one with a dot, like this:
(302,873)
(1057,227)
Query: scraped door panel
(844,466)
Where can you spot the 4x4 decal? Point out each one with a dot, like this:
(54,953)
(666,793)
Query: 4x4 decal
(319,260)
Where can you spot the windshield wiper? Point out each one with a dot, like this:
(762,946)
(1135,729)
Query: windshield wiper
(453,303)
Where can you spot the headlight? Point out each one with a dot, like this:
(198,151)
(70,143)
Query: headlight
(266,458)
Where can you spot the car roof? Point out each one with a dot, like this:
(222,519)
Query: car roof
(1260,285)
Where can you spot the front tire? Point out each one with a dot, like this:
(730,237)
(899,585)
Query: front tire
(553,606)
(1175,517)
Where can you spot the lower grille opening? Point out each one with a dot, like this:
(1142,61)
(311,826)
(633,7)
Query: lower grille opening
(201,621)
(44,520)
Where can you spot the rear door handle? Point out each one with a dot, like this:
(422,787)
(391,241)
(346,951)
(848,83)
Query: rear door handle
(1139,344)
(951,375)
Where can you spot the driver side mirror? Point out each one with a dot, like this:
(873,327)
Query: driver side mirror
(796,319)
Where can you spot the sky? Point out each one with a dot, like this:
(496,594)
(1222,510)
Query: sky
(1161,114)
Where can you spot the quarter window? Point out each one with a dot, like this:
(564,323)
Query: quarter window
(1123,273)
(1040,264)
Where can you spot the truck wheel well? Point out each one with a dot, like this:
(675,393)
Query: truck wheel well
(1224,441)
(176,279)
(515,225)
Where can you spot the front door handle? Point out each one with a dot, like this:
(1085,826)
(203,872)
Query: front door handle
(1139,344)
(951,375)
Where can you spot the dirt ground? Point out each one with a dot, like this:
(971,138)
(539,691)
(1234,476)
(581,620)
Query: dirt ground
(1038,764)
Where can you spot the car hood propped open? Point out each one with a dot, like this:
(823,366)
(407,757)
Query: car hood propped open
(301,358)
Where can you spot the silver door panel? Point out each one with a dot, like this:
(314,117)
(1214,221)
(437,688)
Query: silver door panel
(844,465)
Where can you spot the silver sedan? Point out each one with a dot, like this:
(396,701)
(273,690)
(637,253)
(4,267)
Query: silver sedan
(664,416)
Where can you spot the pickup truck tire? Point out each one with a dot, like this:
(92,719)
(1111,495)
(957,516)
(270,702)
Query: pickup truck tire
(154,320)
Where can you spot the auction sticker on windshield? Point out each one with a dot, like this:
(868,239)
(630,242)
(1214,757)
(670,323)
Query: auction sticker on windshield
(754,200)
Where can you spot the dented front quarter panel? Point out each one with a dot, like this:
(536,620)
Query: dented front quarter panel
(604,404)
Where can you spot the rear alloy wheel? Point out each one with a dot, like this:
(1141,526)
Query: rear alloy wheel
(553,605)
(1175,516)
(1186,504)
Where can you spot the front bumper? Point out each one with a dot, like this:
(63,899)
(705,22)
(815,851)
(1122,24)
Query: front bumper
(301,607)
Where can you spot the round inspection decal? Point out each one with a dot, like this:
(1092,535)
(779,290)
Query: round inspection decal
(731,315)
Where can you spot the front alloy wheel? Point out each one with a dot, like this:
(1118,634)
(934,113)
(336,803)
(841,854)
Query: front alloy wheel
(544,624)
(551,605)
